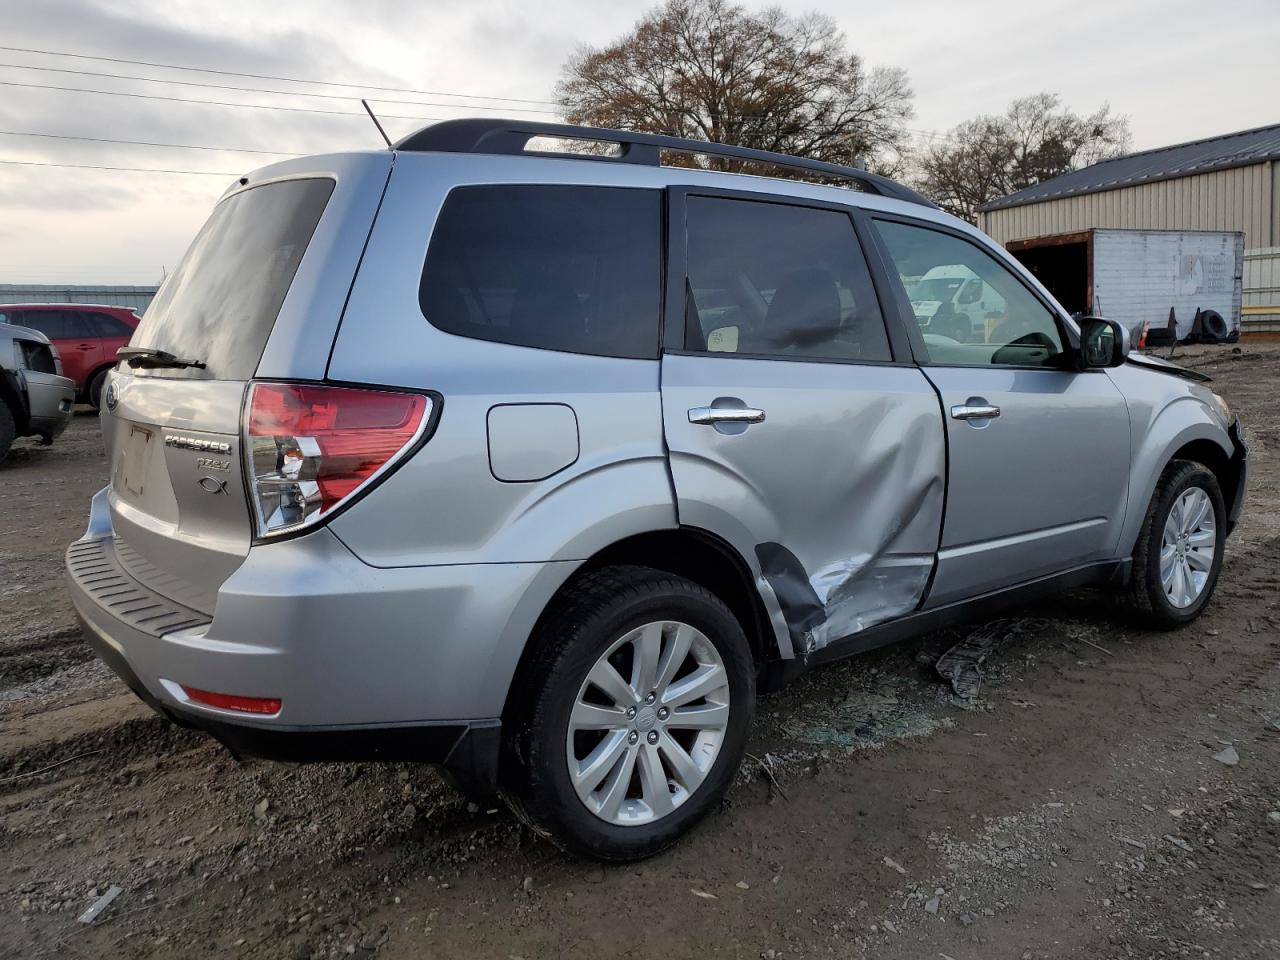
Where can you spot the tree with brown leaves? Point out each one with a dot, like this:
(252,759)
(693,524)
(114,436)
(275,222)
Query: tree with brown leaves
(711,70)
(1033,141)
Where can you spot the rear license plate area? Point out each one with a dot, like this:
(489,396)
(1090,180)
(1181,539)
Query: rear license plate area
(133,460)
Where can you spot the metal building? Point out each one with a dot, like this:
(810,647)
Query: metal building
(1231,182)
(135,298)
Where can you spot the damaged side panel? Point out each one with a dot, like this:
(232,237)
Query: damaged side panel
(844,597)
(836,497)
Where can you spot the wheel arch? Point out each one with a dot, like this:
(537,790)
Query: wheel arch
(1221,463)
(697,555)
(1201,441)
(105,367)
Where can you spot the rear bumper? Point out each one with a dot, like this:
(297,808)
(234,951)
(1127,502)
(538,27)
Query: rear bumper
(51,402)
(369,663)
(467,750)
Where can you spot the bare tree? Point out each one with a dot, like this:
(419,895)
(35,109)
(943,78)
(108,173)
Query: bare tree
(1033,141)
(711,70)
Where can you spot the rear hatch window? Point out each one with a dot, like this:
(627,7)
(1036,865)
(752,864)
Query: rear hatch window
(219,305)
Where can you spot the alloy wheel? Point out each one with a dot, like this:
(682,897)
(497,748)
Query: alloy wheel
(648,723)
(1188,547)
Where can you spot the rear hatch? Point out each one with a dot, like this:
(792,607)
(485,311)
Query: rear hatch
(181,515)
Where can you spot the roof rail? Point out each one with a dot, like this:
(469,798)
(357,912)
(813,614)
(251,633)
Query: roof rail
(509,137)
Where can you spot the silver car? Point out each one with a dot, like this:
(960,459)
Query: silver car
(539,464)
(36,400)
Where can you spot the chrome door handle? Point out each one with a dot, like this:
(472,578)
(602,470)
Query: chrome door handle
(714,415)
(974,411)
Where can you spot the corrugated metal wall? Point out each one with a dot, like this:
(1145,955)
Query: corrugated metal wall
(136,298)
(1244,199)
(1262,289)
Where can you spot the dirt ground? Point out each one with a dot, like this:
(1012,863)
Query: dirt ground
(1080,808)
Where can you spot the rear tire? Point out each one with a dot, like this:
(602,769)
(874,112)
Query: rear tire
(637,620)
(94,393)
(8,430)
(1165,589)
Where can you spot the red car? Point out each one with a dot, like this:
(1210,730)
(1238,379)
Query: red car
(87,337)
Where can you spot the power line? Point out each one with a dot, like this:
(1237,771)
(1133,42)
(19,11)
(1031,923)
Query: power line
(145,143)
(212,103)
(94,166)
(262,76)
(280,93)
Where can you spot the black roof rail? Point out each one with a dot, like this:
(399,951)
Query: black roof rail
(509,137)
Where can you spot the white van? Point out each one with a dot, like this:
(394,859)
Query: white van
(953,301)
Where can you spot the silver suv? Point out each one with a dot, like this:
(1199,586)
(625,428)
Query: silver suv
(539,464)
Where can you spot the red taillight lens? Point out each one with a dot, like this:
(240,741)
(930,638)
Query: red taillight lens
(228,701)
(312,446)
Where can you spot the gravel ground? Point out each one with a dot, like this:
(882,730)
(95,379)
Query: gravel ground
(1110,793)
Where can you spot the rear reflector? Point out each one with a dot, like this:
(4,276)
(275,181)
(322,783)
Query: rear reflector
(311,446)
(227,701)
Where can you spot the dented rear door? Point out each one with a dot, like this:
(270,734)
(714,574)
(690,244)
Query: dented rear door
(792,433)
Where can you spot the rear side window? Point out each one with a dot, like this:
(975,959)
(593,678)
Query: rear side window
(221,302)
(576,269)
(109,326)
(771,279)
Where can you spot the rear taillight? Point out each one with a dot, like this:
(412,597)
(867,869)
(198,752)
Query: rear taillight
(311,447)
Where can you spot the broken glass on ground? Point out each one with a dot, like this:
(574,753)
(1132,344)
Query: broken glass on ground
(864,720)
(963,664)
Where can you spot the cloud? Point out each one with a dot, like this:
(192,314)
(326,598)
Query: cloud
(1150,59)
(33,190)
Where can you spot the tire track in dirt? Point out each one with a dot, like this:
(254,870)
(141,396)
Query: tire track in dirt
(29,657)
(1246,578)
(105,750)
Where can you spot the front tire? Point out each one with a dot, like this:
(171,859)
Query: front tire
(630,719)
(1178,556)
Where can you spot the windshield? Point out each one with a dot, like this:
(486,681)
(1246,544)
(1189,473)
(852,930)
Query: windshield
(219,305)
(938,288)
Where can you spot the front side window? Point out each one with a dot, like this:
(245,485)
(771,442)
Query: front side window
(569,268)
(971,308)
(778,280)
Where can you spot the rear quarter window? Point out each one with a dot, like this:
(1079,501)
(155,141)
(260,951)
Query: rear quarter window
(108,326)
(37,357)
(220,304)
(566,268)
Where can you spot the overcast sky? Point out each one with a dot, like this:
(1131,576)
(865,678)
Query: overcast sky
(1180,69)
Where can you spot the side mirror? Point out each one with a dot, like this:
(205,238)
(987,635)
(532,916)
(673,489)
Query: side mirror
(1103,343)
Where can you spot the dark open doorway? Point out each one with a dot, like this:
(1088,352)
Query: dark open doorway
(1064,264)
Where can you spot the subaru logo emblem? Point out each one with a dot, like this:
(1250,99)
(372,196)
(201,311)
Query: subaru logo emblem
(213,485)
(113,396)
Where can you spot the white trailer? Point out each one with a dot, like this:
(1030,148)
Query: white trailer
(1138,276)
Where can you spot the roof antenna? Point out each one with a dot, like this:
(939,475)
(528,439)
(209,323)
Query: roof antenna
(369,110)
